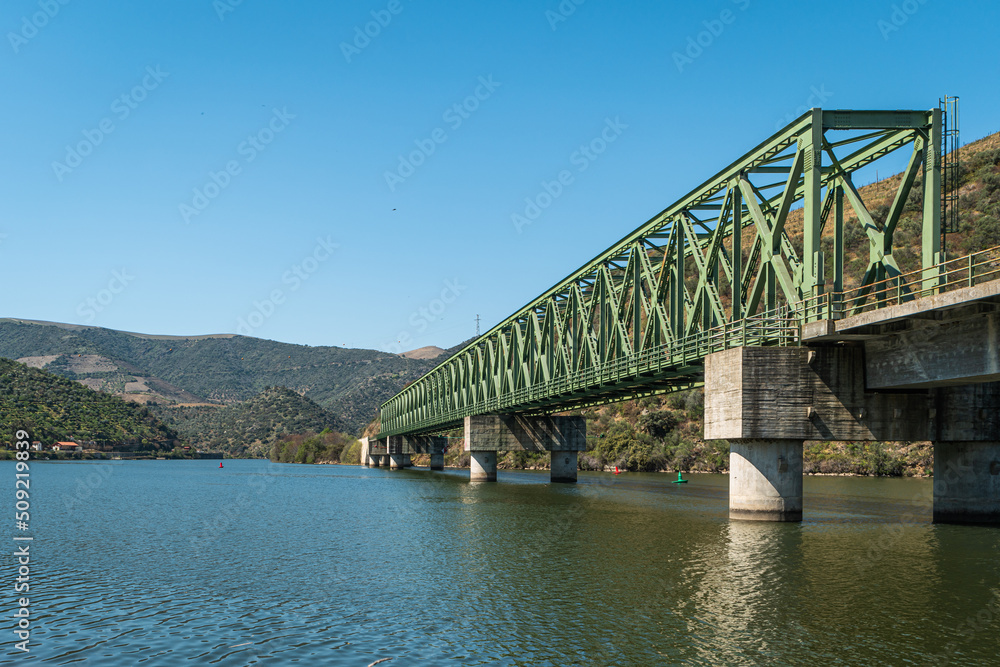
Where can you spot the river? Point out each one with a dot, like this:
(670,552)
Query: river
(183,563)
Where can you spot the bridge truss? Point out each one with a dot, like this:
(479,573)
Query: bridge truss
(740,260)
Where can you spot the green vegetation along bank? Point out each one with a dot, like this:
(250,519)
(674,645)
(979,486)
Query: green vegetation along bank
(51,408)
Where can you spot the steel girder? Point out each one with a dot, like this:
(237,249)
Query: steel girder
(716,269)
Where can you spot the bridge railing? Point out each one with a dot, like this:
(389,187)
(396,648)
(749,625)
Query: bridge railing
(681,362)
(974,269)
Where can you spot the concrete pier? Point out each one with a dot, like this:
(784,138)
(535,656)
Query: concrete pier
(563,436)
(765,480)
(396,462)
(563,467)
(374,461)
(483,467)
(967,482)
(437,461)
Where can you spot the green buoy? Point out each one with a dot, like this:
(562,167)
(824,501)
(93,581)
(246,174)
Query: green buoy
(680,479)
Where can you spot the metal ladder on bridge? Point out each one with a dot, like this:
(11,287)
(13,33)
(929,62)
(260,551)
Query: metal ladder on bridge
(950,170)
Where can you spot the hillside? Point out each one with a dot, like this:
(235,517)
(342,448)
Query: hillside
(979,215)
(221,369)
(251,427)
(52,408)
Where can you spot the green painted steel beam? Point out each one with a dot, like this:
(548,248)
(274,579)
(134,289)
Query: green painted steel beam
(639,318)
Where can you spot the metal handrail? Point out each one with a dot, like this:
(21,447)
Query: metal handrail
(780,326)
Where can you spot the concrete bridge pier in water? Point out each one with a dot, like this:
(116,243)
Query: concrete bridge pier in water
(486,436)
(925,370)
(396,451)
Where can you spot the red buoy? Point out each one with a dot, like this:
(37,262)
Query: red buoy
(220,464)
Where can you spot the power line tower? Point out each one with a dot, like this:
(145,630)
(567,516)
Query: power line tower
(477,326)
(950,169)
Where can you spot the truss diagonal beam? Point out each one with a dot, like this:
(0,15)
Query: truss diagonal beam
(718,267)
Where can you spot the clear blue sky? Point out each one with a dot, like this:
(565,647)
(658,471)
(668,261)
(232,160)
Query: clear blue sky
(328,122)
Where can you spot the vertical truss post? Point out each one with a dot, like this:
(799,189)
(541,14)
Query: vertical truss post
(677,291)
(931,241)
(736,284)
(771,285)
(637,296)
(811,143)
(838,241)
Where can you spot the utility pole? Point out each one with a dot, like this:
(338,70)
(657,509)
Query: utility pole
(477,326)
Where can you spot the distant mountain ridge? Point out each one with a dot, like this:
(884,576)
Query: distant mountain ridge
(219,369)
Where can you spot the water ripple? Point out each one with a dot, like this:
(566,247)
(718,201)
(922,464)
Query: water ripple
(177,563)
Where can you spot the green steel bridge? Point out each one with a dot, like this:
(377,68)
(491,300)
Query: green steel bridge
(745,259)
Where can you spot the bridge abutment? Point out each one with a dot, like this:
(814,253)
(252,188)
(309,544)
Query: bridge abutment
(437,461)
(765,480)
(365,456)
(563,436)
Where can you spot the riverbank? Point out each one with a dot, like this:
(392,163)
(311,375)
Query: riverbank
(844,459)
(48,455)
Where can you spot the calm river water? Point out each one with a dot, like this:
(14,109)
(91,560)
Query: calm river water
(181,563)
